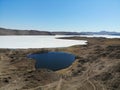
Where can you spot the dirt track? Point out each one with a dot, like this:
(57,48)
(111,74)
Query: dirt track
(76,83)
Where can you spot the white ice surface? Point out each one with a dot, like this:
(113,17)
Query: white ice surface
(23,42)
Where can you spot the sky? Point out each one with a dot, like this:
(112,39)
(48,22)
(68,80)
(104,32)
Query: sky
(61,15)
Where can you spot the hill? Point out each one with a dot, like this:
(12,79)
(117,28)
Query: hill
(4,31)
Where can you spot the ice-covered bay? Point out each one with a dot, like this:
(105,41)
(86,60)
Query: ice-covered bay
(23,42)
(104,36)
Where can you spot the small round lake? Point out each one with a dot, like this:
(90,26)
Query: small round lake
(52,60)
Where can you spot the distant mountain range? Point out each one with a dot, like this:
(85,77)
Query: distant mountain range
(100,33)
(4,31)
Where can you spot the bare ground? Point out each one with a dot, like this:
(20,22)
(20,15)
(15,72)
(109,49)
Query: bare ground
(97,67)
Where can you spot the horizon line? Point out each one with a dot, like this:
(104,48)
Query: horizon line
(58,31)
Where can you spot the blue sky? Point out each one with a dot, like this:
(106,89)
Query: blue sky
(61,15)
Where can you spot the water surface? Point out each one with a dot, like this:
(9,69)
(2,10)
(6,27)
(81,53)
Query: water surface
(52,60)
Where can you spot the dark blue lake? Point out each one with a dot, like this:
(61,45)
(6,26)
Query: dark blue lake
(52,60)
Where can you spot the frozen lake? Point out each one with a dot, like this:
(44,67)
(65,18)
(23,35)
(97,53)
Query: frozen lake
(105,36)
(23,42)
